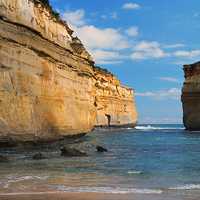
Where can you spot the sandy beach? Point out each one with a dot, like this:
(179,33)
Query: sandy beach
(65,196)
(97,196)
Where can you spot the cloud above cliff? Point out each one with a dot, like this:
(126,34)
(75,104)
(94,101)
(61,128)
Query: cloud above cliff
(144,50)
(107,57)
(94,37)
(148,50)
(75,18)
(108,44)
(169,79)
(105,44)
(187,54)
(133,31)
(113,15)
(169,94)
(131,6)
(174,46)
(108,38)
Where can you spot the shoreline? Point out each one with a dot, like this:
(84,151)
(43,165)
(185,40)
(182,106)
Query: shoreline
(117,175)
(65,196)
(57,195)
(9,142)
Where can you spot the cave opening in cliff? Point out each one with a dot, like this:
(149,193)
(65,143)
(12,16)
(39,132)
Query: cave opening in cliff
(108,119)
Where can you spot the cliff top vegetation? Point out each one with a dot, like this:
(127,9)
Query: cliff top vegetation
(102,70)
(56,15)
(47,5)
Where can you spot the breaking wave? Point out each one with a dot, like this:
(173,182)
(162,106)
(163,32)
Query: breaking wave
(134,172)
(109,190)
(150,127)
(13,179)
(186,187)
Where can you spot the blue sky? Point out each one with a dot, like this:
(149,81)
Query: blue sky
(143,42)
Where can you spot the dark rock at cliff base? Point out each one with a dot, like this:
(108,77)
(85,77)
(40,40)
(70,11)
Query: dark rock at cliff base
(101,149)
(3,159)
(71,152)
(38,156)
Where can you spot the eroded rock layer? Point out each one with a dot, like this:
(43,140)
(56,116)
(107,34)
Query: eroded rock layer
(114,102)
(191,97)
(49,86)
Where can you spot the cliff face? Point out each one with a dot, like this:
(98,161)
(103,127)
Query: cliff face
(114,102)
(49,86)
(191,97)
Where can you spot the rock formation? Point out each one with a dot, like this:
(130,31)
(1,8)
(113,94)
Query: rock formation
(191,97)
(114,102)
(49,85)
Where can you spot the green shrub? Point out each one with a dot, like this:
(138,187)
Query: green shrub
(53,12)
(56,14)
(100,69)
(45,2)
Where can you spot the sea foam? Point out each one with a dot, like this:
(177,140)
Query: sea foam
(109,190)
(186,187)
(134,172)
(14,179)
(150,127)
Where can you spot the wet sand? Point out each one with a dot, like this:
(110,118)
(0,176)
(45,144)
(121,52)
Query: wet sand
(65,196)
(96,196)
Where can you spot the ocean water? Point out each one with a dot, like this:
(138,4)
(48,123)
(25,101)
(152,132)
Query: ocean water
(162,161)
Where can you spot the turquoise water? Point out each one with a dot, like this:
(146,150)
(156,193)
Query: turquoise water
(162,160)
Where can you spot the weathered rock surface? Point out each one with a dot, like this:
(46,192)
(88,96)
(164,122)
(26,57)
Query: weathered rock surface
(49,86)
(101,149)
(114,102)
(38,156)
(72,152)
(3,159)
(191,97)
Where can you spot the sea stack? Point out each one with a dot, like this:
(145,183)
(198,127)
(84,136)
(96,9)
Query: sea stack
(191,97)
(49,85)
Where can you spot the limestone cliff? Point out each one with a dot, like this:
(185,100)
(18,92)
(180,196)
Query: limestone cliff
(114,102)
(49,86)
(191,97)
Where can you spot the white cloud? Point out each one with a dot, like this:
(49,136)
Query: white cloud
(104,43)
(169,79)
(132,31)
(147,50)
(107,38)
(172,93)
(187,54)
(106,57)
(131,6)
(174,46)
(75,18)
(114,15)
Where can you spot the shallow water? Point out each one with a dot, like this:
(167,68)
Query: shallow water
(162,160)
